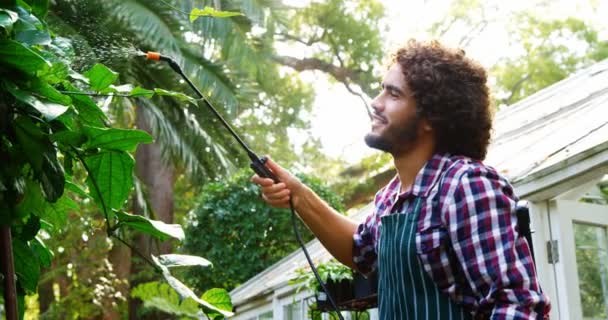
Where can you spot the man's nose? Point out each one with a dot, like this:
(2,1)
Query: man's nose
(377,104)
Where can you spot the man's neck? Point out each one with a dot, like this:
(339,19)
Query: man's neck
(409,164)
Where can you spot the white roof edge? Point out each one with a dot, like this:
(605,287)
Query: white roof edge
(589,71)
(536,186)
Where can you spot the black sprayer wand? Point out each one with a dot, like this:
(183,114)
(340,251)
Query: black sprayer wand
(257,164)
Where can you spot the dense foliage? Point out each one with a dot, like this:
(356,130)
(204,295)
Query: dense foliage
(240,233)
(49,127)
(547,56)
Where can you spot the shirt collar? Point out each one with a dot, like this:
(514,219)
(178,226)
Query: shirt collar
(424,182)
(429,174)
(425,179)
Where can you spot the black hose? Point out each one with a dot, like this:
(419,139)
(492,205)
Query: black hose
(259,167)
(312,265)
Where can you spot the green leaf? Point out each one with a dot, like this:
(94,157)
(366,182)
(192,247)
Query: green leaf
(162,297)
(56,74)
(220,298)
(49,110)
(44,254)
(186,292)
(21,305)
(100,77)
(178,95)
(30,229)
(211,12)
(75,188)
(154,228)
(111,172)
(70,138)
(49,92)
(77,76)
(7,19)
(33,37)
(40,7)
(56,213)
(42,156)
(140,92)
(124,88)
(27,21)
(182,260)
(115,139)
(27,266)
(15,55)
(32,201)
(88,111)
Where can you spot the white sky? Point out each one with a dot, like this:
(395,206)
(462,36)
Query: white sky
(339,119)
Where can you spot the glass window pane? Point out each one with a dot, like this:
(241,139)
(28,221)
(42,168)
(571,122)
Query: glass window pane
(293,311)
(265,316)
(592,264)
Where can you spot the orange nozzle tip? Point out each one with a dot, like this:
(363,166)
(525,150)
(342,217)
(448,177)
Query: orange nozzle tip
(151,55)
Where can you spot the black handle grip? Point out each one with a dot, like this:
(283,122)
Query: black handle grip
(259,167)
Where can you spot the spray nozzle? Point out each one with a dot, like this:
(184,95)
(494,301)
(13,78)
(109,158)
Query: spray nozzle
(257,163)
(151,55)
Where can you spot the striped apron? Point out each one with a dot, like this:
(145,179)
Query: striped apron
(405,291)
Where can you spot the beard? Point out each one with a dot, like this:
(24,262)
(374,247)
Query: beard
(395,140)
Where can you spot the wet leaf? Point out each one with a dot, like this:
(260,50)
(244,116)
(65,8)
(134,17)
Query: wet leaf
(115,139)
(151,227)
(182,260)
(100,77)
(211,12)
(111,172)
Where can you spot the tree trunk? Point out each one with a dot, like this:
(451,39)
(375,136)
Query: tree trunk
(45,295)
(158,178)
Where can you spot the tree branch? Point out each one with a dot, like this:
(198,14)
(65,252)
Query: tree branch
(472,34)
(308,42)
(339,73)
(515,87)
(360,95)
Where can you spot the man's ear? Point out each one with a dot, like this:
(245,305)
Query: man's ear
(426,126)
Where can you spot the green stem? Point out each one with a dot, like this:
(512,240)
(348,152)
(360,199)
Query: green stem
(97,94)
(141,255)
(109,229)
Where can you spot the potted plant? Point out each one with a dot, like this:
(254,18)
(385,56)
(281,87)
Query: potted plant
(338,280)
(365,287)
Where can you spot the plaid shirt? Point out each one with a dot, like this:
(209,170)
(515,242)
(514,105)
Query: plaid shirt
(466,238)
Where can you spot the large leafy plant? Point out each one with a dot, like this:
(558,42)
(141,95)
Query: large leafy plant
(50,125)
(254,235)
(331,270)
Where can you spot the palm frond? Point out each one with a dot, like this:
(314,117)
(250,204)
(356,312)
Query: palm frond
(183,139)
(150,26)
(212,78)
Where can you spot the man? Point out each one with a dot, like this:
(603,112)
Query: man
(443,234)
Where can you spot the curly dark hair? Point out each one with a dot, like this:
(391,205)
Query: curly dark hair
(450,91)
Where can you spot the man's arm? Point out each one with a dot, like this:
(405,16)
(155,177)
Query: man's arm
(334,230)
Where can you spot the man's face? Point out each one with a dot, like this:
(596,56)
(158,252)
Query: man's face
(395,124)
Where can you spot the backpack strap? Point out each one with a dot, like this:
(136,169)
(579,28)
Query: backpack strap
(523,224)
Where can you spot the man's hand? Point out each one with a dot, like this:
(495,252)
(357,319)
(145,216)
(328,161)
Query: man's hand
(333,230)
(277,195)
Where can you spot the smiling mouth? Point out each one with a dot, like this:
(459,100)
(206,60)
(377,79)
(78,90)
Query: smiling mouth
(378,120)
